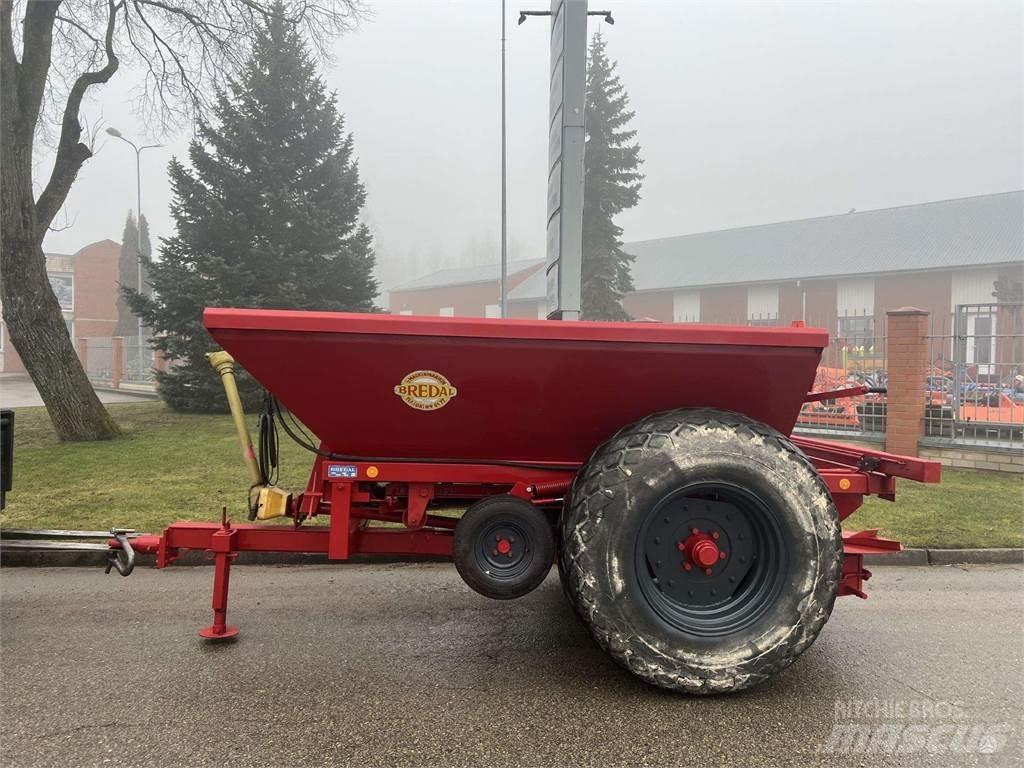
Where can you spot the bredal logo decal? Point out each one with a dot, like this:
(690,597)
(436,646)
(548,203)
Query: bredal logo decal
(425,390)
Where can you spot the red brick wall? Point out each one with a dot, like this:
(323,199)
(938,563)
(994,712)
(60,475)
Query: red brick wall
(656,305)
(526,310)
(724,304)
(720,304)
(468,300)
(928,291)
(94,270)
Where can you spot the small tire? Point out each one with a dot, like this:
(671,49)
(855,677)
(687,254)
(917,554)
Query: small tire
(504,547)
(625,538)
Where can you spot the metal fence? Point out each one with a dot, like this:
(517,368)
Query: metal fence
(975,384)
(856,355)
(973,389)
(119,362)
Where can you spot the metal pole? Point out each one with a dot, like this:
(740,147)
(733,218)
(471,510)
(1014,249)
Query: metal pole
(138,233)
(504,181)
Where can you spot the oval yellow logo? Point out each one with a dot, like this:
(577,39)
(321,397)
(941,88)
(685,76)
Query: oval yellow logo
(425,390)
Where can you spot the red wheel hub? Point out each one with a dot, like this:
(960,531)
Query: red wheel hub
(704,553)
(701,550)
(504,546)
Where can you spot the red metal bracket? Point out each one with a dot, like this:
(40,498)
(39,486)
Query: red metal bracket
(856,544)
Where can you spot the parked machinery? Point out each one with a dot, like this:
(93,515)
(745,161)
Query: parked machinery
(698,543)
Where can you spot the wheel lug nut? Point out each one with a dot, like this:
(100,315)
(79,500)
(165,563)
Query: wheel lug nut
(495,553)
(680,546)
(714,534)
(707,571)
(687,567)
(721,555)
(694,531)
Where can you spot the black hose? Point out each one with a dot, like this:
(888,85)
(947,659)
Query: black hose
(267,455)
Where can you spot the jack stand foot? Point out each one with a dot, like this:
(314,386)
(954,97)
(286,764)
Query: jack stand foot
(213,632)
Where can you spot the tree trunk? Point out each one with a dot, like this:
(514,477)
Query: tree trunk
(30,308)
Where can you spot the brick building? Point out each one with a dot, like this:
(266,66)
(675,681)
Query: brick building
(86,286)
(465,292)
(839,272)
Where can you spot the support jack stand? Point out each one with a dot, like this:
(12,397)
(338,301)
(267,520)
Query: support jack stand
(223,545)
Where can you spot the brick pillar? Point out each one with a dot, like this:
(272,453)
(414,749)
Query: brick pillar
(907,352)
(116,361)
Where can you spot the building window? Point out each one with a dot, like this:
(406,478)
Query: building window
(857,331)
(64,287)
(492,310)
(686,307)
(405,312)
(763,305)
(855,297)
(447,312)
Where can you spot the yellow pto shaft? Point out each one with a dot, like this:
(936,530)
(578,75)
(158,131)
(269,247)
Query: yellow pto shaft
(224,364)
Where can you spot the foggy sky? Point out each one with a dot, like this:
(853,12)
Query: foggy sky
(746,113)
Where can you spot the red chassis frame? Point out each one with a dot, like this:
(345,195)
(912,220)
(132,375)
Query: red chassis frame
(353,494)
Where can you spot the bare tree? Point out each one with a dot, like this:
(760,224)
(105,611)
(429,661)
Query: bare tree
(185,48)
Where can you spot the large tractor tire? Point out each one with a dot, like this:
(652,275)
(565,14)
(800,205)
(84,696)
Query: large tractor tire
(701,549)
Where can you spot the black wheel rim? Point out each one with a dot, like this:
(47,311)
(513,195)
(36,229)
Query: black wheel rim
(710,559)
(504,550)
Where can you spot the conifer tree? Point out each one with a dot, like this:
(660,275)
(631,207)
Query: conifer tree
(266,216)
(611,185)
(130,270)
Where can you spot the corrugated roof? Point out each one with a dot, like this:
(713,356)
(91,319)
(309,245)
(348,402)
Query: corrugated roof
(968,231)
(465,275)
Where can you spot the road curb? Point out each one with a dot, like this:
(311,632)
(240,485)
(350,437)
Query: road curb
(923,556)
(95,559)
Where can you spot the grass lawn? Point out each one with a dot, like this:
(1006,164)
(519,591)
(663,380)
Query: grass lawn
(171,466)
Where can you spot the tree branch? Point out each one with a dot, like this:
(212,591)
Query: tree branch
(71,153)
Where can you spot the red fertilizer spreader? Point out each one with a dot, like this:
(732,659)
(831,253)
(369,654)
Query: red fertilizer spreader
(698,542)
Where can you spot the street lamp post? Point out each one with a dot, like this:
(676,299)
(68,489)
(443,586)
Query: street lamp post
(138,199)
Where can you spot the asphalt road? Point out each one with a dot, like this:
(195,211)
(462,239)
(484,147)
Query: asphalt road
(403,665)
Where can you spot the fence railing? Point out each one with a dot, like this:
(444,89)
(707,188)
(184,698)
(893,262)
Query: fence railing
(973,388)
(119,362)
(975,385)
(856,355)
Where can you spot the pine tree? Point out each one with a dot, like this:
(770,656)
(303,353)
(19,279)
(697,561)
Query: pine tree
(267,216)
(128,268)
(127,275)
(611,185)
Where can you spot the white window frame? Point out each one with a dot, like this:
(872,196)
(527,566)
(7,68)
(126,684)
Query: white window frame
(763,304)
(405,312)
(855,297)
(492,310)
(686,306)
(542,310)
(446,312)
